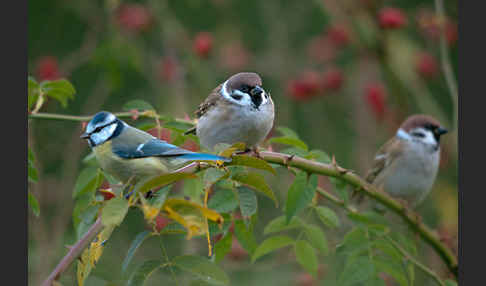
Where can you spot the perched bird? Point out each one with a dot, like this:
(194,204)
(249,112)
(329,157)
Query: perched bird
(128,153)
(406,166)
(238,110)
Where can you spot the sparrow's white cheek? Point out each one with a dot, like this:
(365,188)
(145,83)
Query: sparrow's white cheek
(403,135)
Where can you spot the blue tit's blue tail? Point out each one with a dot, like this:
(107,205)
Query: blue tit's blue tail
(203,157)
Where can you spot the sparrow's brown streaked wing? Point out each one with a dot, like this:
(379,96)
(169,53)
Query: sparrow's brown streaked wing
(384,158)
(206,105)
(209,102)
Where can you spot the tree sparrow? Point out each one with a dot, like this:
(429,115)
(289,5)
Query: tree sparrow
(406,166)
(238,110)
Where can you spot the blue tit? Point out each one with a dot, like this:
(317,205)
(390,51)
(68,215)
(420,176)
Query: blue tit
(128,153)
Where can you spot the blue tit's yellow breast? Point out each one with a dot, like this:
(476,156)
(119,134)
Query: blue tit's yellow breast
(124,169)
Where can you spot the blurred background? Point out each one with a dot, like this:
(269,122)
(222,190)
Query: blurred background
(342,73)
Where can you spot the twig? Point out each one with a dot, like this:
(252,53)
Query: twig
(358,183)
(74,252)
(53,116)
(410,258)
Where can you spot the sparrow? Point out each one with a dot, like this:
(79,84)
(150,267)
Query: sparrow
(406,165)
(130,154)
(238,110)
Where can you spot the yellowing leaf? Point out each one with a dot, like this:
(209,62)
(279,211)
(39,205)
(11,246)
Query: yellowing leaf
(191,216)
(232,149)
(244,160)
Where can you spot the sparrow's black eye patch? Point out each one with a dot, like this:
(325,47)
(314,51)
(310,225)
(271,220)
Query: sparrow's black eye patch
(245,88)
(418,134)
(236,96)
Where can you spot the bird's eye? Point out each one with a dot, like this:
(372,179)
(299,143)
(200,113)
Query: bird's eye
(236,96)
(245,89)
(418,134)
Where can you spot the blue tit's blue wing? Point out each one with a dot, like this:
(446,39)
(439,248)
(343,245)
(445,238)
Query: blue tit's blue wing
(134,143)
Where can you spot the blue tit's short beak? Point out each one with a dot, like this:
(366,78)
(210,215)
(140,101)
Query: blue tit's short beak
(440,131)
(84,136)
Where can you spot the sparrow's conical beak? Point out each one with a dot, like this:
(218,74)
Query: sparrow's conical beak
(84,136)
(256,91)
(440,131)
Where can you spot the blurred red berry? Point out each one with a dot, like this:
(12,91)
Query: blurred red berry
(161,222)
(305,87)
(167,69)
(107,193)
(305,279)
(321,49)
(203,43)
(426,65)
(164,133)
(451,32)
(338,35)
(237,252)
(190,145)
(333,79)
(134,17)
(234,56)
(375,98)
(392,18)
(48,68)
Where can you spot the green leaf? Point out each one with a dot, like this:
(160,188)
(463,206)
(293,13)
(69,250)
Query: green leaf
(137,104)
(88,181)
(300,194)
(375,281)
(306,256)
(358,271)
(178,126)
(271,244)
(449,282)
(290,141)
(317,238)
(34,204)
(327,216)
(340,188)
(287,132)
(257,182)
(193,189)
(61,89)
(250,161)
(159,197)
(391,268)
(248,201)
(280,224)
(31,172)
(245,237)
(295,151)
(114,211)
(133,247)
(143,272)
(223,201)
(320,156)
(33,92)
(213,175)
(163,180)
(223,246)
(202,268)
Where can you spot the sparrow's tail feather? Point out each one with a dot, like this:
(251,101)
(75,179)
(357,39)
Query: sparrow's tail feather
(204,157)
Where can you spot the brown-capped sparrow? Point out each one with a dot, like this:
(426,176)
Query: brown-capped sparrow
(238,110)
(406,166)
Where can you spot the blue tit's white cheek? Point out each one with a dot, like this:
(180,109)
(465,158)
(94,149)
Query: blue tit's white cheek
(103,134)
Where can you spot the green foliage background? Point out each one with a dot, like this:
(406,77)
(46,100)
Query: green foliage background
(109,66)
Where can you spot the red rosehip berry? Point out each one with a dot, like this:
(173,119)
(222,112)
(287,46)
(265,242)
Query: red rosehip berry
(338,35)
(167,69)
(426,65)
(161,222)
(203,43)
(134,17)
(392,18)
(306,86)
(375,98)
(48,68)
(451,33)
(333,79)
(237,252)
(164,133)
